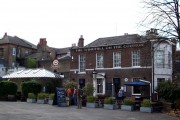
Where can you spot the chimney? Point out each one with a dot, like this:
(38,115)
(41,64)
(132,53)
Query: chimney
(81,42)
(74,45)
(152,32)
(42,41)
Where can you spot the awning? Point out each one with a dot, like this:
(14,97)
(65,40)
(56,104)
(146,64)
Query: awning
(33,73)
(136,83)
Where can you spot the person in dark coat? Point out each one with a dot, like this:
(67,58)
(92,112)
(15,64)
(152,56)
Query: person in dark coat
(79,98)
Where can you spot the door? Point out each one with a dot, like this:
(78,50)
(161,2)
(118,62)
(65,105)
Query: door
(116,86)
(81,83)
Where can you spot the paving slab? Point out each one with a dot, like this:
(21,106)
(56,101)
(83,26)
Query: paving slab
(34,111)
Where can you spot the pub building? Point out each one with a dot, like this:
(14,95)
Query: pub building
(129,62)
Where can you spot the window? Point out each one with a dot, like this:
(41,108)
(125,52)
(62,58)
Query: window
(160,80)
(99,60)
(82,63)
(136,89)
(159,59)
(136,58)
(14,51)
(116,59)
(1,52)
(18,52)
(169,59)
(99,85)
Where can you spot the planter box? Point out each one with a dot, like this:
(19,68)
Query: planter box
(110,106)
(146,109)
(41,101)
(50,102)
(31,100)
(91,105)
(127,107)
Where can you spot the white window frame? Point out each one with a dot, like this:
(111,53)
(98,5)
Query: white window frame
(82,63)
(99,60)
(116,59)
(136,58)
(99,86)
(13,51)
(160,59)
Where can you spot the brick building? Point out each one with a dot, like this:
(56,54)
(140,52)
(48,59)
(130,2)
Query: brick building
(110,62)
(13,51)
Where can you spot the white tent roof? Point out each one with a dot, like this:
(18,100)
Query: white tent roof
(33,73)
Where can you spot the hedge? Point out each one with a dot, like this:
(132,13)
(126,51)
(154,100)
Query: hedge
(31,87)
(8,88)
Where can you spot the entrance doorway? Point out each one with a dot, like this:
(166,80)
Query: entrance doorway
(116,86)
(81,83)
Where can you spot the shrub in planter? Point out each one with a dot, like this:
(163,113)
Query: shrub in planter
(146,103)
(109,103)
(31,98)
(8,88)
(128,101)
(42,98)
(109,100)
(91,102)
(42,95)
(91,99)
(128,104)
(51,98)
(146,106)
(31,87)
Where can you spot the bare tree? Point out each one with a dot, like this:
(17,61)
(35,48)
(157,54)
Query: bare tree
(164,16)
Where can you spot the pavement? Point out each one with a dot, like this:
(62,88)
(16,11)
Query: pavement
(34,111)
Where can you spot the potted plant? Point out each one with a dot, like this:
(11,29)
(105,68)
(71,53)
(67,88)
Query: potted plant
(31,98)
(128,104)
(42,98)
(91,102)
(51,98)
(109,103)
(146,106)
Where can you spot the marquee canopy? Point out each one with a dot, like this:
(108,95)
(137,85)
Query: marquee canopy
(33,73)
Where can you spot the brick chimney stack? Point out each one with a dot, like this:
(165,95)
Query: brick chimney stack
(42,45)
(81,42)
(42,41)
(5,34)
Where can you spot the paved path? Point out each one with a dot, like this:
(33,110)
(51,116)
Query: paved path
(33,111)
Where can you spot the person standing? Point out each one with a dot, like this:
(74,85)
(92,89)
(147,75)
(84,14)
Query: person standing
(75,96)
(69,93)
(79,98)
(121,94)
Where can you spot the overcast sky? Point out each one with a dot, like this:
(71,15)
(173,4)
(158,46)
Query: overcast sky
(62,22)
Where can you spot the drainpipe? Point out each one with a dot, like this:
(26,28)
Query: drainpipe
(149,86)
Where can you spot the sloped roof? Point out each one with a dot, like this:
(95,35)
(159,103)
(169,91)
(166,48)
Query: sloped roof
(62,50)
(17,41)
(118,40)
(33,73)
